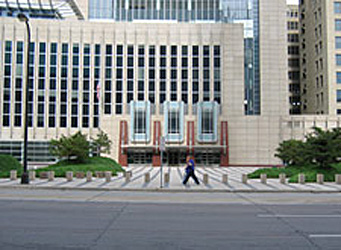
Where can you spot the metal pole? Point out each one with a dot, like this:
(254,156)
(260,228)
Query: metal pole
(161,172)
(25,177)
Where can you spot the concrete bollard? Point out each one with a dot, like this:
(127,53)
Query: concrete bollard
(108,175)
(80,175)
(167,178)
(320,178)
(128,176)
(147,177)
(51,175)
(263,178)
(32,175)
(88,176)
(205,179)
(338,178)
(69,176)
(13,175)
(301,179)
(225,179)
(282,177)
(244,178)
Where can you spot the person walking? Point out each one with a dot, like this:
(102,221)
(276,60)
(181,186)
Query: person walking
(190,171)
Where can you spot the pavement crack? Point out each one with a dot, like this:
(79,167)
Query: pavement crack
(111,222)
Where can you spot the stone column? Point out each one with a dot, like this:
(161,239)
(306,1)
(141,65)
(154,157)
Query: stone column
(69,176)
(147,177)
(244,178)
(205,179)
(167,178)
(320,178)
(263,178)
(88,176)
(13,175)
(32,175)
(282,177)
(51,175)
(108,175)
(225,179)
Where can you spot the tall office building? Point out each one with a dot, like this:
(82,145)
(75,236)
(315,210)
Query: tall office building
(145,70)
(320,38)
(293,59)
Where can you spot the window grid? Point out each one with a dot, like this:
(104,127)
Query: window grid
(97,85)
(140,64)
(195,74)
(130,73)
(108,79)
(163,74)
(151,75)
(174,73)
(41,85)
(6,115)
(30,107)
(64,85)
(75,85)
(184,74)
(53,85)
(18,85)
(206,73)
(217,74)
(86,86)
(119,79)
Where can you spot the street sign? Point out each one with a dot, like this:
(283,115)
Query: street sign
(162,144)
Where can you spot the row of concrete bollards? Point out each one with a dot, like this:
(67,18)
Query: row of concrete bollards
(107,175)
(301,178)
(50,175)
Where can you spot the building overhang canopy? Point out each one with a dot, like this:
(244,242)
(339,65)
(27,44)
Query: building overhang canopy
(59,9)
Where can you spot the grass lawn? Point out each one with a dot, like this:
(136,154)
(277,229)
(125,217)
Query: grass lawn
(292,172)
(93,164)
(8,163)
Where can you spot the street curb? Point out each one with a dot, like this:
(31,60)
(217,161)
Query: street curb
(165,190)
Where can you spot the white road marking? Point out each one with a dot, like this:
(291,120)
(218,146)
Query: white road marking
(299,215)
(325,235)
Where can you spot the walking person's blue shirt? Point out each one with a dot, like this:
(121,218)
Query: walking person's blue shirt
(190,166)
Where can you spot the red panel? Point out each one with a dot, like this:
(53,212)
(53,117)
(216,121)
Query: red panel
(224,142)
(156,142)
(190,137)
(122,153)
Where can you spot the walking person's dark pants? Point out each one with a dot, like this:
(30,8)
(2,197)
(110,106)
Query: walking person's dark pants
(191,174)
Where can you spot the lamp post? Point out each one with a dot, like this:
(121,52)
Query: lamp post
(23,18)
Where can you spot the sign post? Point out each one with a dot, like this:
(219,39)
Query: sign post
(162,149)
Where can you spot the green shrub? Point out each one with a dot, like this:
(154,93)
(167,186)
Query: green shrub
(8,163)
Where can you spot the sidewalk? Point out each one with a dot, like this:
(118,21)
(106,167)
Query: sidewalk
(137,182)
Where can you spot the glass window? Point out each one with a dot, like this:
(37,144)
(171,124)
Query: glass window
(140,121)
(338,59)
(207,121)
(338,77)
(173,121)
(338,24)
(338,96)
(338,42)
(337,7)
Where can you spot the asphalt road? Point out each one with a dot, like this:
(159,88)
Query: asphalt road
(38,219)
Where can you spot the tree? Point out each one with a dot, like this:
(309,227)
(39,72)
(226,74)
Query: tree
(101,144)
(73,148)
(324,147)
(292,152)
(320,148)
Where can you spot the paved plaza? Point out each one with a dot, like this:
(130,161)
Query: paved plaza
(176,174)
